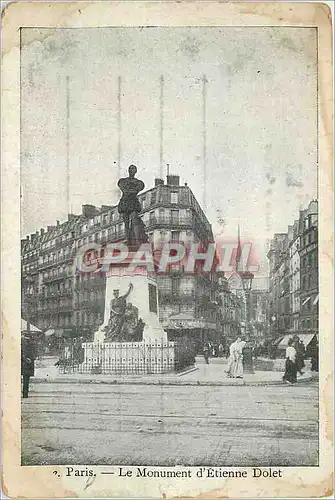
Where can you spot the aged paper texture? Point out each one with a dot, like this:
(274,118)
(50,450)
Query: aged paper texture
(166,250)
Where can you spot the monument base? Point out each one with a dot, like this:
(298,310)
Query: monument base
(143,297)
(130,358)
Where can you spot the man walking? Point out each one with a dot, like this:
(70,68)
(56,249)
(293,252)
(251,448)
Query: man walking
(27,361)
(300,353)
(206,353)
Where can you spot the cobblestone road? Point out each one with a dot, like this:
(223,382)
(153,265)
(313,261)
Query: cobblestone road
(151,425)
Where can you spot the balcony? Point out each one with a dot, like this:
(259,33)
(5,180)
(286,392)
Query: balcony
(170,222)
(65,308)
(55,295)
(170,297)
(65,258)
(58,277)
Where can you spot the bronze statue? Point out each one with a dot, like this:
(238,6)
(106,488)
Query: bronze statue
(130,207)
(124,324)
(117,313)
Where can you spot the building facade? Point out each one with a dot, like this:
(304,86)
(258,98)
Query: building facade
(56,296)
(258,315)
(293,280)
(309,275)
(231,312)
(279,290)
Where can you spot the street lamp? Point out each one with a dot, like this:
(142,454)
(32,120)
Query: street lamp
(29,292)
(247,278)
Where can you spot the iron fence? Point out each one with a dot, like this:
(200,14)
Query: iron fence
(126,358)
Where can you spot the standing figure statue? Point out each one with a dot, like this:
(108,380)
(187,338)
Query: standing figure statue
(129,205)
(117,315)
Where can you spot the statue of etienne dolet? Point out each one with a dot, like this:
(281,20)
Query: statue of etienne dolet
(124,324)
(130,207)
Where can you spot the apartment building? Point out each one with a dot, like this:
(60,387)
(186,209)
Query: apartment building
(55,295)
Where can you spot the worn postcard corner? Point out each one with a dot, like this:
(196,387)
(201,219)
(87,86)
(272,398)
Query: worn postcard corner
(167,276)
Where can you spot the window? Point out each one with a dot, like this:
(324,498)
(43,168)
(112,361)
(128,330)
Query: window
(174,216)
(175,235)
(144,202)
(174,197)
(175,285)
(153,197)
(152,298)
(164,195)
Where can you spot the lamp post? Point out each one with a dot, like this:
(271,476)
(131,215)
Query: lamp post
(29,291)
(247,278)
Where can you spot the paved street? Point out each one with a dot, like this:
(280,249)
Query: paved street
(170,425)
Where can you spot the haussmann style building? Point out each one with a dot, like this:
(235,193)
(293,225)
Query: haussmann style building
(293,281)
(55,296)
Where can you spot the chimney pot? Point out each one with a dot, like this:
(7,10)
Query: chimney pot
(173,180)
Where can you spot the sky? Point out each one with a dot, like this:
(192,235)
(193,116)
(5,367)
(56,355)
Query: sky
(261,130)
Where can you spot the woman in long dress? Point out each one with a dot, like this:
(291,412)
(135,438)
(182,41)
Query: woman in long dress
(238,365)
(231,360)
(290,375)
(235,360)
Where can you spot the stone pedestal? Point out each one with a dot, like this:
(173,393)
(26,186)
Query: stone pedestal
(154,354)
(144,296)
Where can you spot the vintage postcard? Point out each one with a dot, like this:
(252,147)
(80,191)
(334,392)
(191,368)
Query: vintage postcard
(167,262)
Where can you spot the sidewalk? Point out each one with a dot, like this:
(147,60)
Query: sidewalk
(201,374)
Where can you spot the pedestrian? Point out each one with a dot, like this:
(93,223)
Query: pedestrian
(235,360)
(315,357)
(221,349)
(238,365)
(290,375)
(231,360)
(300,354)
(206,353)
(28,356)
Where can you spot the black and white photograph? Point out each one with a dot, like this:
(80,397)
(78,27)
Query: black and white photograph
(170,267)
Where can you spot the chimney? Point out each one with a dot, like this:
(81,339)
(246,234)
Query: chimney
(172,180)
(159,182)
(50,228)
(57,222)
(71,217)
(105,208)
(32,237)
(89,211)
(42,232)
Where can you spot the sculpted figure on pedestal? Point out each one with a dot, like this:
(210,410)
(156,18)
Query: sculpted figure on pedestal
(124,324)
(129,206)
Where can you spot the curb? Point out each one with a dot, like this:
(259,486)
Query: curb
(169,382)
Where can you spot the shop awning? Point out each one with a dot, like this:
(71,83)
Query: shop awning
(183,321)
(305,337)
(33,328)
(49,332)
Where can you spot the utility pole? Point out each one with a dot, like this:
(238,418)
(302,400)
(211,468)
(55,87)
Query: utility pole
(161,126)
(119,127)
(67,139)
